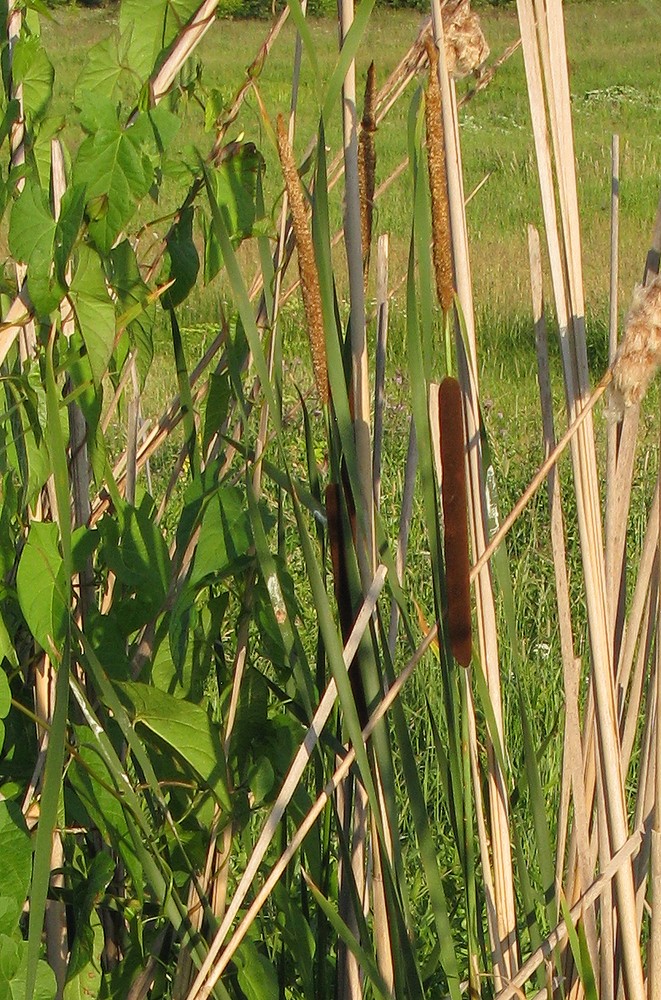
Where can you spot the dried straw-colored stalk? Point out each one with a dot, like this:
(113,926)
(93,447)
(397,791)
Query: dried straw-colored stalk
(189,38)
(438,185)
(572,769)
(620,859)
(307,265)
(544,46)
(367,165)
(654,970)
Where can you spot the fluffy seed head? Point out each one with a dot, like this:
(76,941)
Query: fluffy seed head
(466,48)
(639,354)
(440,211)
(307,266)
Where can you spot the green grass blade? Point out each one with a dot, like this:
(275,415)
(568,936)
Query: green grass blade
(285,619)
(580,952)
(348,53)
(183,383)
(365,959)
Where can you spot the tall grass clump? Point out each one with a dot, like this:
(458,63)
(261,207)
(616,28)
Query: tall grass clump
(261,736)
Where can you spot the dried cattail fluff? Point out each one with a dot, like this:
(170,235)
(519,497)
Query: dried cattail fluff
(440,211)
(367,165)
(639,354)
(307,266)
(466,48)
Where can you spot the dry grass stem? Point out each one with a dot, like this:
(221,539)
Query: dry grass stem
(438,186)
(307,265)
(639,354)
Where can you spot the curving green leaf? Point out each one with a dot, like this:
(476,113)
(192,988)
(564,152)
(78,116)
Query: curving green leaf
(124,275)
(13,972)
(41,585)
(117,176)
(186,727)
(32,68)
(181,260)
(234,187)
(94,311)
(16,852)
(104,68)
(91,781)
(32,241)
(225,536)
(257,977)
(149,26)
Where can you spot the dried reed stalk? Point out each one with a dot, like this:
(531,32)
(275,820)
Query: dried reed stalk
(548,35)
(188,39)
(572,770)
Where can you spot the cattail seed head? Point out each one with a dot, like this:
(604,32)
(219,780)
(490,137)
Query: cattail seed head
(639,354)
(367,165)
(307,266)
(440,210)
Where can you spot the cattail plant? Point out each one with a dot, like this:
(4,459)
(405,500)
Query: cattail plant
(438,185)
(367,164)
(306,262)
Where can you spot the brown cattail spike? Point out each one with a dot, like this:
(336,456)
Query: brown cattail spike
(367,165)
(307,265)
(639,354)
(455,519)
(440,210)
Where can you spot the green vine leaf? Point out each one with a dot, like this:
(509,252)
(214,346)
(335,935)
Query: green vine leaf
(13,972)
(32,68)
(16,852)
(234,185)
(150,26)
(182,262)
(110,163)
(186,727)
(41,585)
(94,311)
(124,275)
